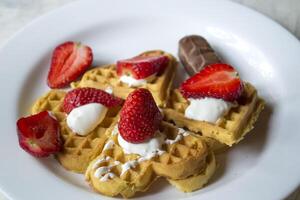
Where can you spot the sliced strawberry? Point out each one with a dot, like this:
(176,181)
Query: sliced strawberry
(216,80)
(39,134)
(81,96)
(140,117)
(69,61)
(141,67)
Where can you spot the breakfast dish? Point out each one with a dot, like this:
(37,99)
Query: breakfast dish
(245,171)
(159,83)
(123,125)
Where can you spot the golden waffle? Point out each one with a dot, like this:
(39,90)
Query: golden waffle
(214,145)
(77,151)
(127,184)
(105,76)
(229,129)
(180,160)
(199,180)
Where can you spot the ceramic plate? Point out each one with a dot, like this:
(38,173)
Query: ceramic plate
(263,166)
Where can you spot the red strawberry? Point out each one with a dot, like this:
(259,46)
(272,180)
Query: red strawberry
(69,61)
(39,134)
(141,67)
(216,80)
(140,117)
(81,96)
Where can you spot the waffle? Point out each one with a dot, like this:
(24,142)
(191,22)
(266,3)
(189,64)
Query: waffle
(77,151)
(197,181)
(214,145)
(230,129)
(126,184)
(180,160)
(106,76)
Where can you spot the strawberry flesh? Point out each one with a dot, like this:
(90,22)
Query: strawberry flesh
(140,117)
(39,134)
(81,96)
(141,67)
(217,80)
(69,61)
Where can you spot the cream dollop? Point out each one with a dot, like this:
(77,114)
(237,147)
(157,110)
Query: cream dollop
(109,90)
(207,109)
(104,172)
(181,134)
(146,149)
(128,165)
(136,82)
(86,118)
(109,145)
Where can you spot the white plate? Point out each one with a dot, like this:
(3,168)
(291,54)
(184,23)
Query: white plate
(263,166)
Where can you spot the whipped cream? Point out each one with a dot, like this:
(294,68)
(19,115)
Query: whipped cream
(136,82)
(109,145)
(115,130)
(116,162)
(151,155)
(104,172)
(177,139)
(153,150)
(181,133)
(128,165)
(84,119)
(99,161)
(101,171)
(207,109)
(133,163)
(52,115)
(107,176)
(109,90)
(146,149)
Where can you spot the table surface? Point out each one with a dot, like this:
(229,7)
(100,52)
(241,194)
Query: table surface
(14,14)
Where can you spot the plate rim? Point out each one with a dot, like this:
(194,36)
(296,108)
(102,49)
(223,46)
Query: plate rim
(66,6)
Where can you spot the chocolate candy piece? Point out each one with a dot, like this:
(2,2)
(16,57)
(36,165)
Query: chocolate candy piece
(195,53)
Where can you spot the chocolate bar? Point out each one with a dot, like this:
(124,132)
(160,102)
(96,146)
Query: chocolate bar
(195,53)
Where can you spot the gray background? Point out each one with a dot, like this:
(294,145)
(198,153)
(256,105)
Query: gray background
(14,14)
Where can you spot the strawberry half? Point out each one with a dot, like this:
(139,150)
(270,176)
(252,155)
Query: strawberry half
(140,117)
(39,134)
(217,80)
(69,61)
(141,67)
(81,96)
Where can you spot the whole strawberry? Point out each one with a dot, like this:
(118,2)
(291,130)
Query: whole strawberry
(81,96)
(140,117)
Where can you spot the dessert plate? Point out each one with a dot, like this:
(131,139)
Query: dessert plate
(263,166)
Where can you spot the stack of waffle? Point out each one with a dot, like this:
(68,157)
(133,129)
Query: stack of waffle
(187,164)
